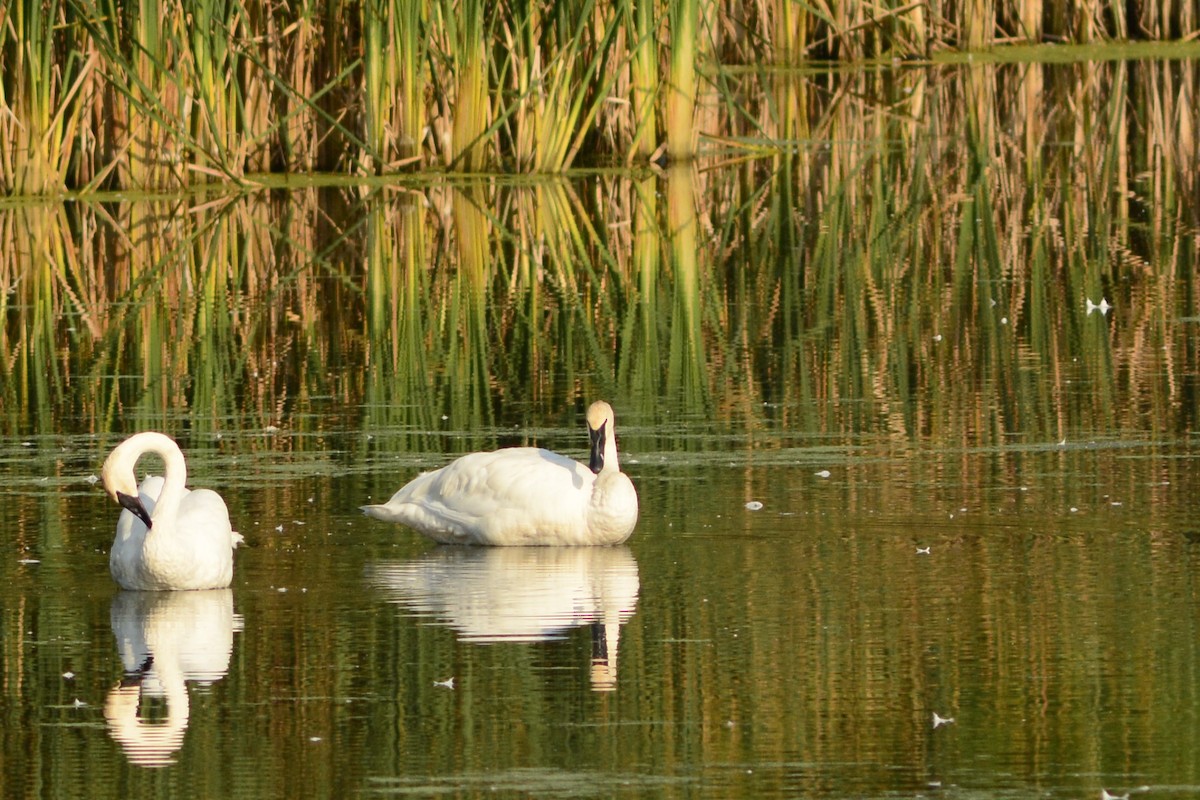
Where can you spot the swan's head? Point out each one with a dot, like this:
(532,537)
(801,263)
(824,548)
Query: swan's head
(600,430)
(120,483)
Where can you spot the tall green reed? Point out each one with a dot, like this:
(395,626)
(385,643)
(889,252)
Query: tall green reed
(556,65)
(680,114)
(644,86)
(395,48)
(42,97)
(465,103)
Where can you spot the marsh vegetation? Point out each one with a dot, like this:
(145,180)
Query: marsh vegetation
(158,95)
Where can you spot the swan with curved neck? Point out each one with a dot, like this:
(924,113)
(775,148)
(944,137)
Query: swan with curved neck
(168,537)
(523,496)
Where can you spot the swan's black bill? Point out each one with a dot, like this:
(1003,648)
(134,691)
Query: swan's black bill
(133,505)
(136,676)
(597,437)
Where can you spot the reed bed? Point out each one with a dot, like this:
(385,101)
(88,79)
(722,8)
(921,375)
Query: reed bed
(925,272)
(161,95)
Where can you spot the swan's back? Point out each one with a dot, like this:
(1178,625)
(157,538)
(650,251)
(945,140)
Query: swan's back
(513,496)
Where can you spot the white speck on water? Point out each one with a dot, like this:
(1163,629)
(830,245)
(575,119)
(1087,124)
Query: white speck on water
(1103,306)
(922,551)
(937,337)
(754,505)
(279,527)
(1074,509)
(282,590)
(314,738)
(272,429)
(26,444)
(822,473)
(1004,320)
(92,479)
(68,675)
(446,684)
(29,561)
(939,720)
(79,703)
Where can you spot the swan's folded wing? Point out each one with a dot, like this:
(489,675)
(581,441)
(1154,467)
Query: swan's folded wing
(204,515)
(510,494)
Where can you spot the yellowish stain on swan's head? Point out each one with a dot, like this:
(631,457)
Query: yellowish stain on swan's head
(598,414)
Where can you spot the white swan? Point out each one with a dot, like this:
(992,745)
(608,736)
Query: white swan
(166,640)
(168,537)
(523,496)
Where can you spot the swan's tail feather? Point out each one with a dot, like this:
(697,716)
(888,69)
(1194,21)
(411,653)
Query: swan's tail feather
(378,512)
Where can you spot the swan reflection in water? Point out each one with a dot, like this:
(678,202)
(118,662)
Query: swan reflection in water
(165,639)
(521,594)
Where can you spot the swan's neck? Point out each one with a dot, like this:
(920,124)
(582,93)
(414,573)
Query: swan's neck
(610,452)
(149,743)
(174,477)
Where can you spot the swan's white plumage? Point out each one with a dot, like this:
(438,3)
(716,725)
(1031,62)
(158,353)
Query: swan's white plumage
(523,496)
(189,543)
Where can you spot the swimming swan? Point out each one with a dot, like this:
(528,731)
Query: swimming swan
(168,537)
(523,496)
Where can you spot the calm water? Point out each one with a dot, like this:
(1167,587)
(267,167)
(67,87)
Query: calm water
(892,471)
(1051,609)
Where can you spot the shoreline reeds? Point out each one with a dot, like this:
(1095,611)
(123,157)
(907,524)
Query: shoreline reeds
(112,94)
(931,251)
